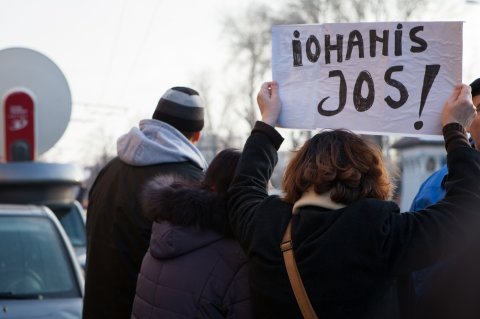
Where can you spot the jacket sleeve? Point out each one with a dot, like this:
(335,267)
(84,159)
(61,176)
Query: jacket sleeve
(415,241)
(249,186)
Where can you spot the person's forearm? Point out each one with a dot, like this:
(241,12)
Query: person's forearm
(455,136)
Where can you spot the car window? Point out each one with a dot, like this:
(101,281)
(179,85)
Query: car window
(34,259)
(72,223)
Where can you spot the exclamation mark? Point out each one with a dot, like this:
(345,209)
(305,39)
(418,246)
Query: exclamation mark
(431,72)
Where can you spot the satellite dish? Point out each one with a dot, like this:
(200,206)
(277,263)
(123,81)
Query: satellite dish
(36,104)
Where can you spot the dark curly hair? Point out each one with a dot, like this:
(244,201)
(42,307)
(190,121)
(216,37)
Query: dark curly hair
(341,162)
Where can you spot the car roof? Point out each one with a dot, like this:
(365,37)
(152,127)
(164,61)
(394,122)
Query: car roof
(18,172)
(24,210)
(39,183)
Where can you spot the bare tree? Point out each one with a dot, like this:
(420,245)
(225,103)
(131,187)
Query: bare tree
(248,35)
(320,11)
(249,39)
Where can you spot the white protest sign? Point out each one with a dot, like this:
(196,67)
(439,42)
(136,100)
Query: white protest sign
(385,77)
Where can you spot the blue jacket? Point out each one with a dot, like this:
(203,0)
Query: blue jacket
(431,191)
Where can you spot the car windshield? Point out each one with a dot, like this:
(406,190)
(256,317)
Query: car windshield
(34,261)
(72,223)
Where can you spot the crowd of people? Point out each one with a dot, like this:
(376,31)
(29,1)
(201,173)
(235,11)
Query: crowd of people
(169,236)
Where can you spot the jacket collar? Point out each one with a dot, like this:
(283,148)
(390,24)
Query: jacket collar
(310,198)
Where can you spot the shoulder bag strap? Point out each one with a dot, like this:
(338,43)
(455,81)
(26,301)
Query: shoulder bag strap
(294,276)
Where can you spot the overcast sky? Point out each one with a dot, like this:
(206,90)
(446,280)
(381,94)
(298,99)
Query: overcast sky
(119,56)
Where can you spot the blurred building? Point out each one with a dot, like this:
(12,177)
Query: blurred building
(418,159)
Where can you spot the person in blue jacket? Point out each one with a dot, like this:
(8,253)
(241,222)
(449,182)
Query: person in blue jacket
(440,284)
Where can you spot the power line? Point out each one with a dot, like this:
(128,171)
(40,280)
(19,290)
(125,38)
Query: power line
(95,105)
(142,45)
(114,49)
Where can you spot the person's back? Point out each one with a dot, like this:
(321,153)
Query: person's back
(188,273)
(354,250)
(193,268)
(117,233)
(343,271)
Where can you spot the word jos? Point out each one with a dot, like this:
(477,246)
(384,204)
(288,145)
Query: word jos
(363,104)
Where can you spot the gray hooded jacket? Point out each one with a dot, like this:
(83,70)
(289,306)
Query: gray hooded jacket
(156,142)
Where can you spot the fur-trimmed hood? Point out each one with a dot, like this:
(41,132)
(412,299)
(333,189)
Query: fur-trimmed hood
(168,198)
(185,217)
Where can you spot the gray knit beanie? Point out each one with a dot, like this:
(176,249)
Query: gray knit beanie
(181,107)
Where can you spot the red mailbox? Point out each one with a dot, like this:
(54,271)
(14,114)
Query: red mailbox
(19,125)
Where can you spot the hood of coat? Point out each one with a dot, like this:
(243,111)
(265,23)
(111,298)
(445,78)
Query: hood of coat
(170,199)
(156,142)
(170,241)
(185,216)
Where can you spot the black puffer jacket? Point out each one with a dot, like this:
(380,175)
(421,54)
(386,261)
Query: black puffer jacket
(191,270)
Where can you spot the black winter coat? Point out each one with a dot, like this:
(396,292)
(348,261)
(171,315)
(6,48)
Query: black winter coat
(355,262)
(118,234)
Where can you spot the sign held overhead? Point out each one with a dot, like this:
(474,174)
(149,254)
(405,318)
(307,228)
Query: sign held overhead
(380,78)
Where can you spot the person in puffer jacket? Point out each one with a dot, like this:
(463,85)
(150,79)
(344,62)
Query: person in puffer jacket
(193,267)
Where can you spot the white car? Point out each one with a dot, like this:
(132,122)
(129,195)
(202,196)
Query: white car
(39,274)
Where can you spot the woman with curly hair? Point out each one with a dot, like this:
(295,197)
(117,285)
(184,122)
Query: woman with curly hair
(353,249)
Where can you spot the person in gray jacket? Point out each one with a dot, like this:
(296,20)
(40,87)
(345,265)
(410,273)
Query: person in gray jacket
(118,234)
(193,267)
